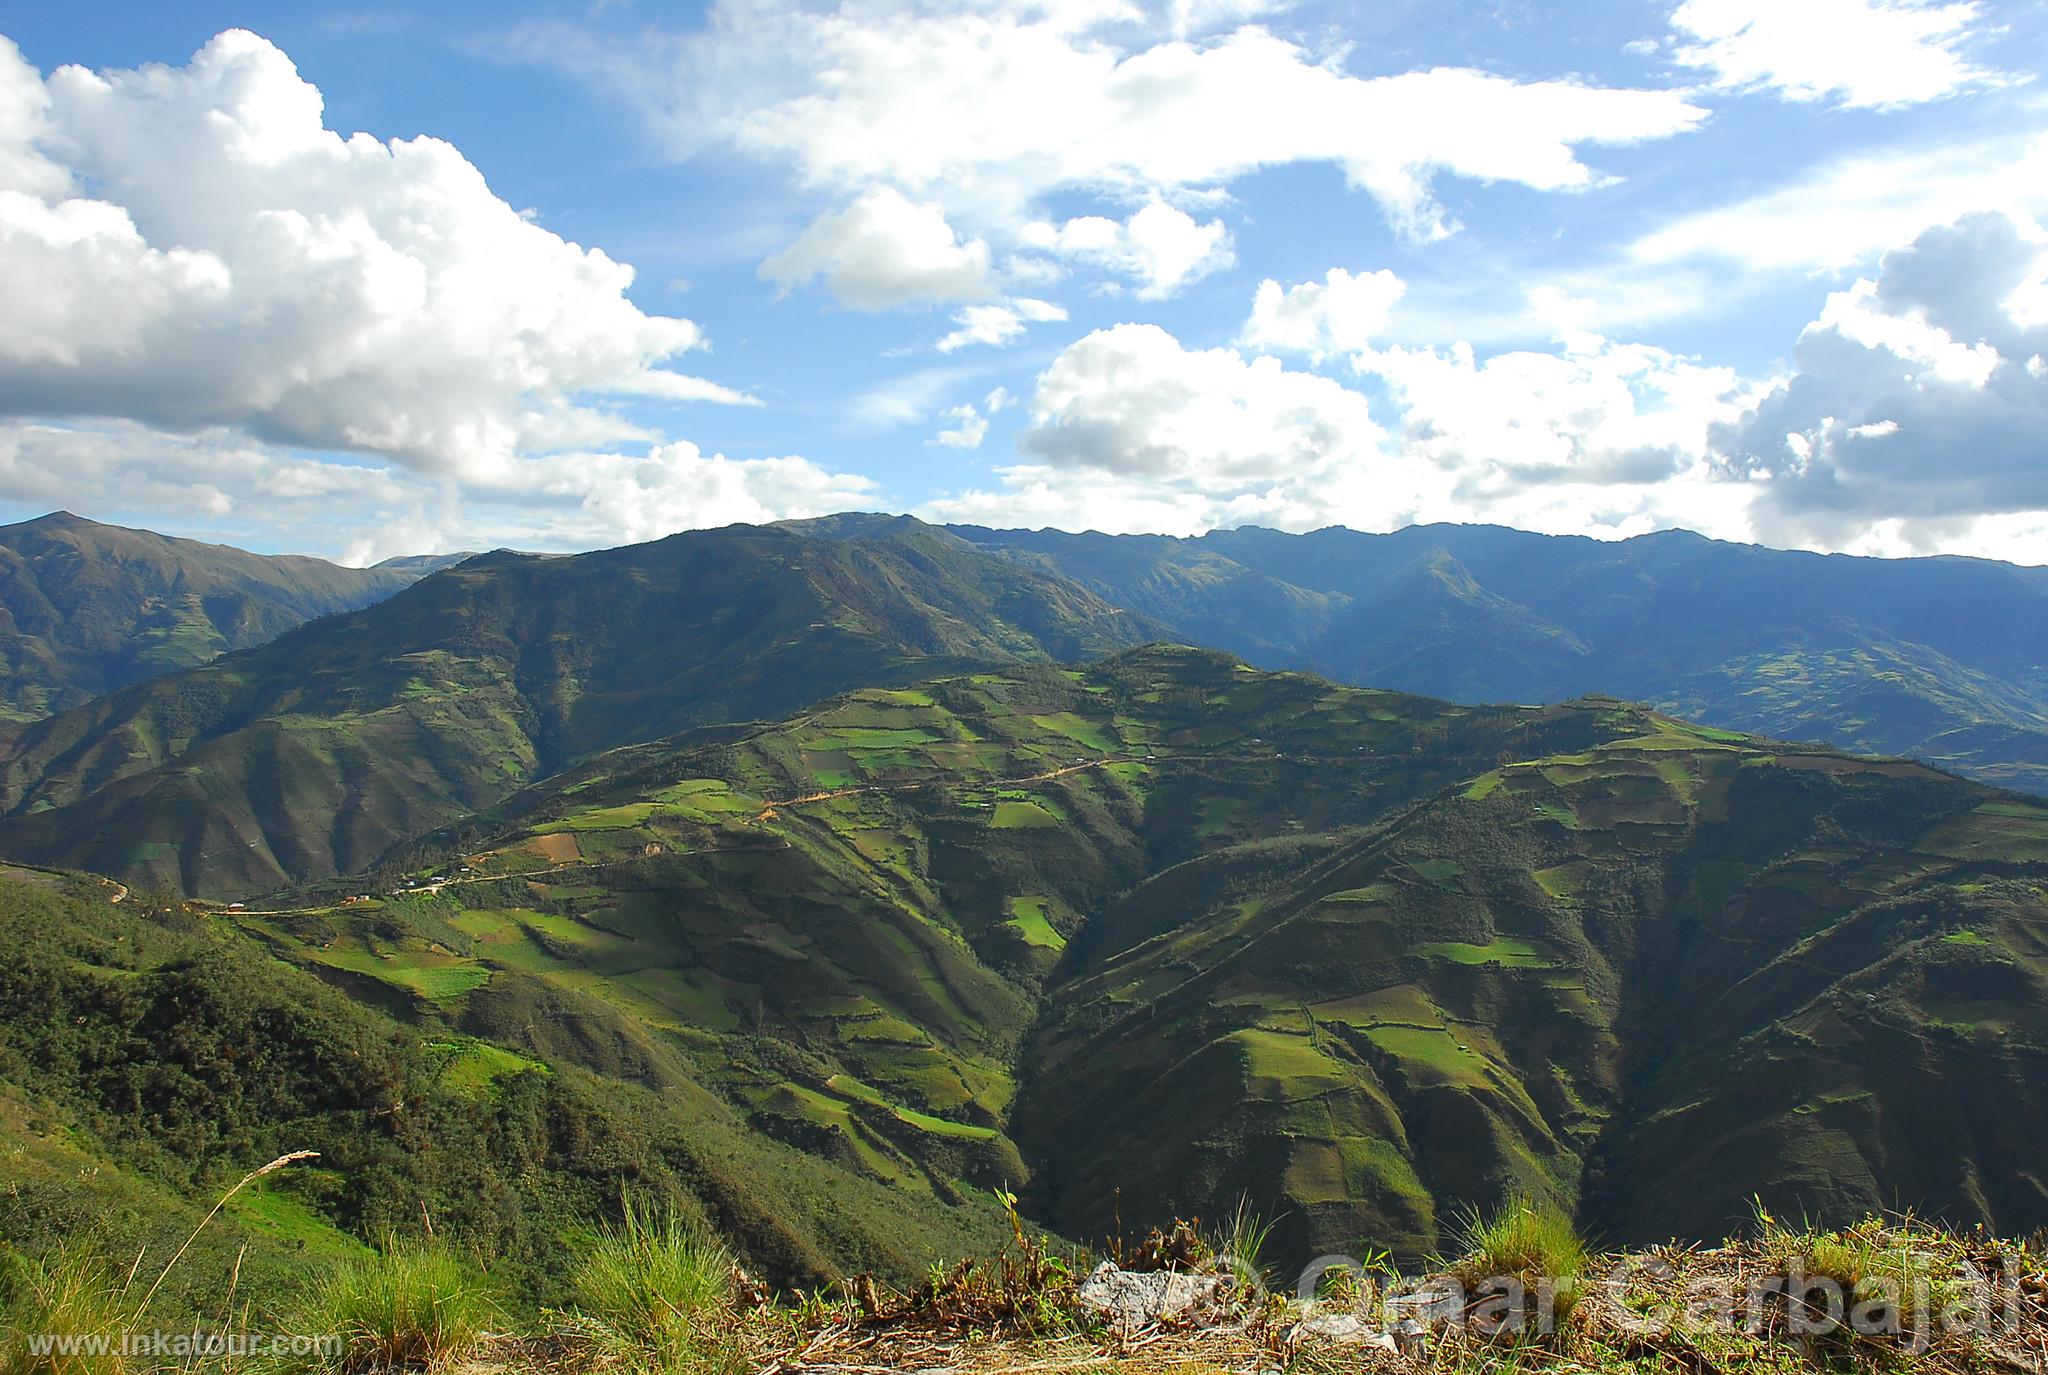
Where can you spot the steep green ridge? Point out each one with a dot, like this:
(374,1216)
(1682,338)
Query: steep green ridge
(149,1058)
(1943,659)
(1648,978)
(845,919)
(315,753)
(87,608)
(1165,931)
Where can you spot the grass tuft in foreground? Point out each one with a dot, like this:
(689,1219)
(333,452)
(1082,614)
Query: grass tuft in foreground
(1528,1245)
(73,1290)
(416,1304)
(657,1295)
(1899,1267)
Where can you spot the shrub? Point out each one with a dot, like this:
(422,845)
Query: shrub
(1025,1290)
(416,1304)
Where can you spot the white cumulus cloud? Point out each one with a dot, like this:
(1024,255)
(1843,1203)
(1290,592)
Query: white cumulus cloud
(998,325)
(1340,314)
(1852,52)
(990,107)
(1161,247)
(1130,430)
(1915,409)
(622,498)
(968,429)
(202,282)
(885,250)
(221,485)
(190,247)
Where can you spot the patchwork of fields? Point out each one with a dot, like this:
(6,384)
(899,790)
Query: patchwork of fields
(1171,930)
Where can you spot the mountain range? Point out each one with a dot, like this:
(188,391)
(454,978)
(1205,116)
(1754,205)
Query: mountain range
(317,753)
(828,880)
(314,754)
(1942,659)
(1138,939)
(86,609)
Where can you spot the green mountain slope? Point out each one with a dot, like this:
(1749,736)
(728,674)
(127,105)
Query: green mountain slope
(1943,659)
(148,1059)
(87,608)
(315,753)
(1649,978)
(1165,931)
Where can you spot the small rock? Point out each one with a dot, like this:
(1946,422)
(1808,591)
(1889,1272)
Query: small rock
(1411,1337)
(1131,1300)
(1339,1329)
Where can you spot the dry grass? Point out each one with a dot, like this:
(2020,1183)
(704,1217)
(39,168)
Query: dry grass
(1640,1313)
(72,1290)
(857,1349)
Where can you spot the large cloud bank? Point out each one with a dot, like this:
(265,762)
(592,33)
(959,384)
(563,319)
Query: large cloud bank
(195,265)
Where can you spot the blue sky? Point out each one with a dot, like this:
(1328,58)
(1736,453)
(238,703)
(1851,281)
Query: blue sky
(1773,271)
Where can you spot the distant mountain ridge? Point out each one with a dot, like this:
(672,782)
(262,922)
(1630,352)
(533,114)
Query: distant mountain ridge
(314,754)
(87,608)
(1943,659)
(317,753)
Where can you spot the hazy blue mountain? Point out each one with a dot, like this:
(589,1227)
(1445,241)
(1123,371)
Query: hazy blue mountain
(1943,659)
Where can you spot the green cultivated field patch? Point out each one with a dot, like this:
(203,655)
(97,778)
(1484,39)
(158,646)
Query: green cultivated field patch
(270,1212)
(693,1002)
(1022,816)
(439,978)
(1671,739)
(1401,1005)
(472,1068)
(1218,815)
(1027,918)
(900,697)
(1483,787)
(1372,892)
(1281,1067)
(1316,1172)
(1511,952)
(2031,811)
(849,1087)
(1562,881)
(2014,832)
(711,802)
(875,737)
(1131,774)
(1440,1054)
(1078,729)
(604,818)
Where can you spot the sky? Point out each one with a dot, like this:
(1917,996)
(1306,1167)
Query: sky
(407,279)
